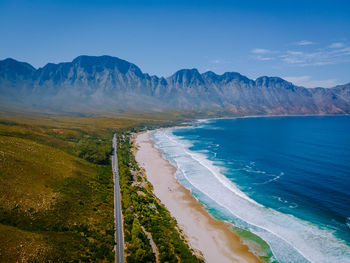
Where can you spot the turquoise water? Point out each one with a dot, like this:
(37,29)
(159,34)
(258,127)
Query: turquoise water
(285,179)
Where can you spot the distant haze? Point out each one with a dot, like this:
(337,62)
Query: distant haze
(110,84)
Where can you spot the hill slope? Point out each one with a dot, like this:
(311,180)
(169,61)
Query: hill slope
(108,83)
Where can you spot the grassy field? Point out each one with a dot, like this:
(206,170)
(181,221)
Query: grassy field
(56,188)
(56,192)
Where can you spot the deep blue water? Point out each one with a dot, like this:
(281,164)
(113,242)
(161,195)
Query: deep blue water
(289,179)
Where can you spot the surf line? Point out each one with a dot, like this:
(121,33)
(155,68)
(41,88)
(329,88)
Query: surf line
(236,193)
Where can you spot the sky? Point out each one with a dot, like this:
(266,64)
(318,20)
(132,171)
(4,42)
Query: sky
(306,42)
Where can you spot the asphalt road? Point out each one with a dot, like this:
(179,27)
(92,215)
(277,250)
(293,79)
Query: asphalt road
(118,224)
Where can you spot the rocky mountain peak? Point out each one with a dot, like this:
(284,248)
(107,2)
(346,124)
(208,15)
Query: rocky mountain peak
(187,77)
(105,82)
(93,64)
(12,69)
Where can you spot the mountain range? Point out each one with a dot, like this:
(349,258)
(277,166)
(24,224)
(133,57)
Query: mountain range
(110,84)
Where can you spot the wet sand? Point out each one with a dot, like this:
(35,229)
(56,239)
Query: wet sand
(209,237)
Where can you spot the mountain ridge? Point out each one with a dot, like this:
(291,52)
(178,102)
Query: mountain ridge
(108,83)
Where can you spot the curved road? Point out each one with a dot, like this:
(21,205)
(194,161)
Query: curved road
(118,224)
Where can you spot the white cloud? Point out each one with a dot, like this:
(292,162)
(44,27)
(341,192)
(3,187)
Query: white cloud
(262,58)
(291,52)
(260,51)
(318,57)
(335,53)
(262,54)
(308,82)
(337,45)
(304,43)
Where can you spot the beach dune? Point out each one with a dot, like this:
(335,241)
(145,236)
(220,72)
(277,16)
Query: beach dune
(209,237)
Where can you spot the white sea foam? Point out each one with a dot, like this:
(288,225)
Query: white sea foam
(203,120)
(275,178)
(290,239)
(291,204)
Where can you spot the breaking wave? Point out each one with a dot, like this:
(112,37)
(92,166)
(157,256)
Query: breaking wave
(290,238)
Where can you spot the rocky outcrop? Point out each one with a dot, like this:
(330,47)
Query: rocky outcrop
(108,83)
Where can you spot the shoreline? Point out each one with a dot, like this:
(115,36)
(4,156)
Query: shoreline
(267,116)
(211,238)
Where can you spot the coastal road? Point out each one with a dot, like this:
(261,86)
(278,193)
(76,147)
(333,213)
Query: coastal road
(118,224)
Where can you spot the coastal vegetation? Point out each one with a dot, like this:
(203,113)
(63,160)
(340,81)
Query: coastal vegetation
(56,192)
(141,208)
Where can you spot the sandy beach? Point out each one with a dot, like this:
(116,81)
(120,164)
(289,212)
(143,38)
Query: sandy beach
(212,238)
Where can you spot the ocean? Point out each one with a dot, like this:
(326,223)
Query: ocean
(282,182)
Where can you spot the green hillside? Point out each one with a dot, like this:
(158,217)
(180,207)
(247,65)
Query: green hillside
(56,192)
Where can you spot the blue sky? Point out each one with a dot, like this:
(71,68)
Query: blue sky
(306,42)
